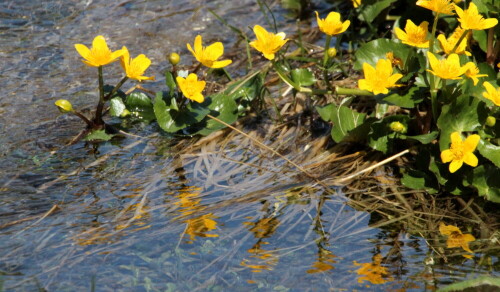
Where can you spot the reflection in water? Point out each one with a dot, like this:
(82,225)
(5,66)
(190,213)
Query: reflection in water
(189,205)
(456,238)
(373,272)
(260,258)
(324,263)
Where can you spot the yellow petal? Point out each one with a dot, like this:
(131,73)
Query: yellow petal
(470,159)
(433,61)
(400,34)
(214,51)
(455,138)
(447,156)
(198,47)
(455,165)
(83,50)
(471,142)
(221,64)
(260,32)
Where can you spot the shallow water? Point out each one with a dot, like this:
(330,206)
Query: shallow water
(133,215)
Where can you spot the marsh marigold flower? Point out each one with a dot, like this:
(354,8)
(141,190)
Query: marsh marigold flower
(473,72)
(135,68)
(448,68)
(439,6)
(99,54)
(414,35)
(447,44)
(491,93)
(208,55)
(356,3)
(191,87)
(455,237)
(471,19)
(267,43)
(332,25)
(380,78)
(460,151)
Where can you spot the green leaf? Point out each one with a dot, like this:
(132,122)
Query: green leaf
(303,77)
(223,107)
(420,180)
(325,112)
(98,135)
(372,10)
(424,138)
(375,50)
(170,81)
(484,283)
(345,120)
(172,120)
(482,39)
(381,135)
(408,100)
(489,151)
(116,106)
(140,104)
(465,114)
(485,179)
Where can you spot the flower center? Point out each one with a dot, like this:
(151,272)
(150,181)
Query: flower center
(457,148)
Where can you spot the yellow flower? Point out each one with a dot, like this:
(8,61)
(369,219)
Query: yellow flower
(378,79)
(191,87)
(448,68)
(332,25)
(491,93)
(134,68)
(473,72)
(460,151)
(208,56)
(471,19)
(414,35)
(395,61)
(439,6)
(267,43)
(455,237)
(99,54)
(356,3)
(447,44)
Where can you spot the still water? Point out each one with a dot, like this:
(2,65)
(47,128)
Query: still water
(144,215)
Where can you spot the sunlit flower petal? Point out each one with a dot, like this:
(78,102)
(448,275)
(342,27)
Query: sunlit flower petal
(332,25)
(448,68)
(439,6)
(356,3)
(447,44)
(379,79)
(208,56)
(460,152)
(267,43)
(99,54)
(491,93)
(191,87)
(135,68)
(471,19)
(414,35)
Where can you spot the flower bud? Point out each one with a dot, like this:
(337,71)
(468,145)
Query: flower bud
(491,121)
(397,127)
(174,59)
(64,106)
(125,113)
(332,52)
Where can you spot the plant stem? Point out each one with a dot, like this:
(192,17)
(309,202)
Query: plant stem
(325,59)
(100,106)
(115,89)
(459,41)
(84,118)
(432,81)
(284,77)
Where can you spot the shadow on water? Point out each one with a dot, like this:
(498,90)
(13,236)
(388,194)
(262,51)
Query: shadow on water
(148,214)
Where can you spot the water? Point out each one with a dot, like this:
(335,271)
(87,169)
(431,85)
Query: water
(149,215)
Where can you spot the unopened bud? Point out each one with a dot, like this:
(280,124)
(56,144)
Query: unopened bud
(125,113)
(491,121)
(332,52)
(64,106)
(398,127)
(174,59)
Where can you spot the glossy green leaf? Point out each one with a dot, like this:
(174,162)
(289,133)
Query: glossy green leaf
(170,82)
(405,99)
(172,120)
(465,114)
(345,120)
(116,107)
(375,50)
(381,135)
(223,107)
(98,135)
(325,112)
(372,10)
(485,178)
(303,77)
(484,283)
(420,180)
(137,101)
(424,138)
(489,151)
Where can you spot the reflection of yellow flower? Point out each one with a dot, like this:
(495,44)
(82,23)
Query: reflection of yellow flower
(356,3)
(208,56)
(260,259)
(324,263)
(461,151)
(135,68)
(267,43)
(191,87)
(373,272)
(473,72)
(332,25)
(447,44)
(455,237)
(471,19)
(379,79)
(414,35)
(99,54)
(491,93)
(439,6)
(448,68)
(200,225)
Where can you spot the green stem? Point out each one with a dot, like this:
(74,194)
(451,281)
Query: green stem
(433,33)
(227,74)
(100,106)
(325,59)
(284,77)
(336,90)
(115,89)
(84,118)
(459,41)
(432,81)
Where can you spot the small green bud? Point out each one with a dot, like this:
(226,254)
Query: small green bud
(398,127)
(332,52)
(125,113)
(491,121)
(174,59)
(64,106)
